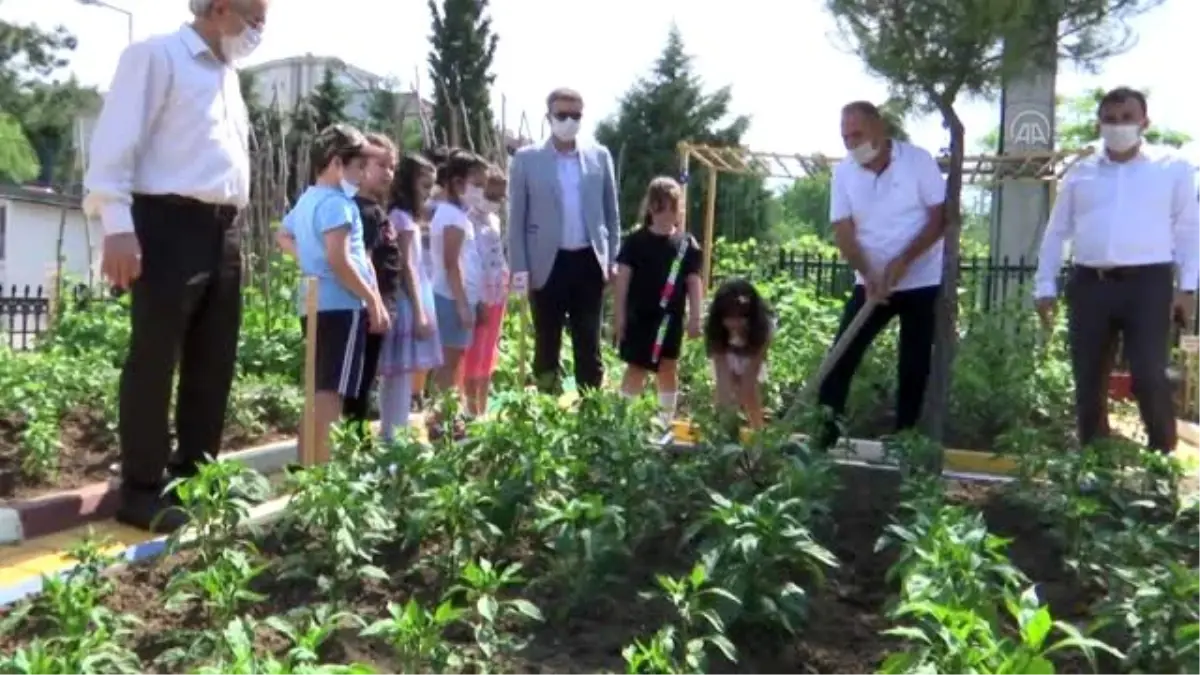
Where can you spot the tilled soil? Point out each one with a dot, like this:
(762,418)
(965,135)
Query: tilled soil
(842,634)
(86,452)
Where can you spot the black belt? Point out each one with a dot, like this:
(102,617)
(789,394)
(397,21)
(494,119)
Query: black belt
(224,213)
(1121,272)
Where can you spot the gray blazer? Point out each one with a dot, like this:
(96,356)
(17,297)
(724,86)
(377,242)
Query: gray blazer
(535,209)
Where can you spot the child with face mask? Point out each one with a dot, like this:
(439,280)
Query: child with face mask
(437,157)
(658,278)
(479,361)
(412,347)
(456,273)
(324,231)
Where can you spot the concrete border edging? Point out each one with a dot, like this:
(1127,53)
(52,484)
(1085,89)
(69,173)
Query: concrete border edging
(10,526)
(869,451)
(262,514)
(58,511)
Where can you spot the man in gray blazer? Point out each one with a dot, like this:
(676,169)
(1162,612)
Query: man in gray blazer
(563,235)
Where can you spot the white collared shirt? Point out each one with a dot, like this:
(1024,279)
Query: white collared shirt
(570,183)
(173,122)
(890,209)
(1116,214)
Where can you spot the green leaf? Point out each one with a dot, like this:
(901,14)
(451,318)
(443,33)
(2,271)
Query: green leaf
(487,606)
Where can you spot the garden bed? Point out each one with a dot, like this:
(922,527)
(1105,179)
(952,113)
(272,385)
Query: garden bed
(847,615)
(87,449)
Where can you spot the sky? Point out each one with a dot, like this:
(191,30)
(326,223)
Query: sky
(781,57)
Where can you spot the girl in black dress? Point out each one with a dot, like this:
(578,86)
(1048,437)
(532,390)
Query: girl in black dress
(658,277)
(737,335)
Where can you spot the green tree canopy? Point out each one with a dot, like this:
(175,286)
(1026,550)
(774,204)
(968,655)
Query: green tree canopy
(804,205)
(45,106)
(935,51)
(18,161)
(462,47)
(658,112)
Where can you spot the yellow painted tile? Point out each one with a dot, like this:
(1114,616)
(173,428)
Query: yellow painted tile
(46,563)
(62,541)
(121,533)
(53,561)
(10,576)
(49,554)
(14,556)
(979,462)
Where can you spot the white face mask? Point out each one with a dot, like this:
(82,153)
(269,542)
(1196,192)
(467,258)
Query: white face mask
(864,153)
(473,197)
(242,45)
(1120,137)
(564,130)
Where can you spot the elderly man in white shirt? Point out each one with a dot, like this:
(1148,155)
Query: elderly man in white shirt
(1131,216)
(887,215)
(169,173)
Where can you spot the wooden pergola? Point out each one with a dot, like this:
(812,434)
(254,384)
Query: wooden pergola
(736,160)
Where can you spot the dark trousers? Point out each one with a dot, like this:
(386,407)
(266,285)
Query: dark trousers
(356,408)
(573,297)
(186,311)
(916,309)
(1135,303)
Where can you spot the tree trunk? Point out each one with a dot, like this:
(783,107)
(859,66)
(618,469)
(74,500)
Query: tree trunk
(933,421)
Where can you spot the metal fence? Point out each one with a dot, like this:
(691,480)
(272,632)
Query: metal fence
(984,283)
(25,312)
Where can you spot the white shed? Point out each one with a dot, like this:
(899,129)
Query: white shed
(32,221)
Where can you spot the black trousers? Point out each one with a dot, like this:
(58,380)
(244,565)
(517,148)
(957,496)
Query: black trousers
(186,312)
(573,297)
(916,309)
(1134,302)
(357,408)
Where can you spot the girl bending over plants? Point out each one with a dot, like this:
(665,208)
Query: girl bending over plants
(736,336)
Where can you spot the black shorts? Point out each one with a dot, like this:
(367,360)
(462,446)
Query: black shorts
(637,346)
(341,346)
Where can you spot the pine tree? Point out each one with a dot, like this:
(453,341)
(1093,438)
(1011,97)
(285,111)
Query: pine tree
(301,129)
(460,62)
(384,114)
(668,106)
(382,107)
(328,100)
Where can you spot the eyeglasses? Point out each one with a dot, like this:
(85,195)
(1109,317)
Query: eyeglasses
(564,116)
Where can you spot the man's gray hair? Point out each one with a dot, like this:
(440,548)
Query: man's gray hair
(203,7)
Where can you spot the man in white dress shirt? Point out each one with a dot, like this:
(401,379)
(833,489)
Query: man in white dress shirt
(886,209)
(169,172)
(1131,216)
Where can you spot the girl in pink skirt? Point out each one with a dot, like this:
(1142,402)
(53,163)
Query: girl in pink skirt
(412,347)
(479,362)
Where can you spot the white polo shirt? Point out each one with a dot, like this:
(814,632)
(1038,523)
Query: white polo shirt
(889,210)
